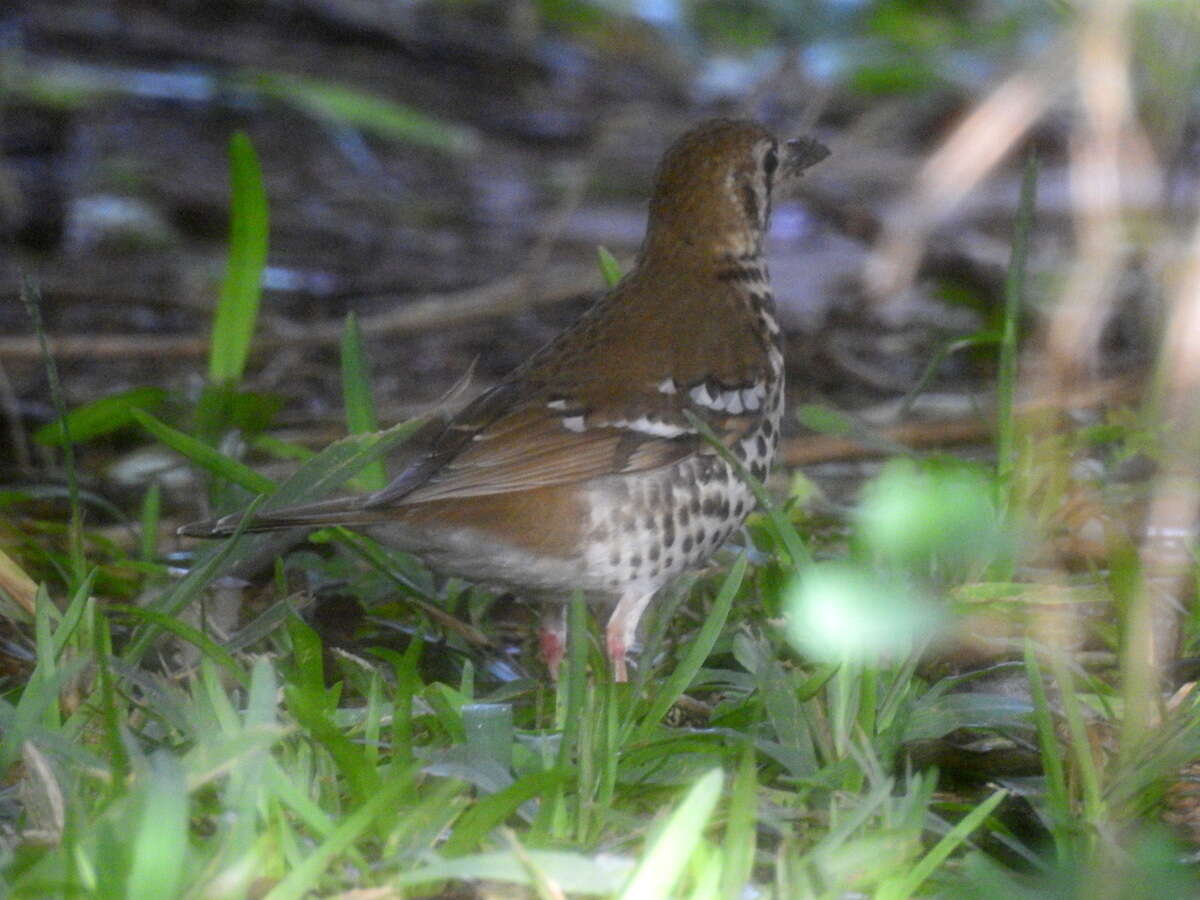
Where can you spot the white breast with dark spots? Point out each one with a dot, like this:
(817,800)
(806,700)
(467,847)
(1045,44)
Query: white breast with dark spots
(643,531)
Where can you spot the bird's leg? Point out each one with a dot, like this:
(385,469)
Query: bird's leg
(552,638)
(621,632)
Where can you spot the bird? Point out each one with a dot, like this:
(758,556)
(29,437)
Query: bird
(584,467)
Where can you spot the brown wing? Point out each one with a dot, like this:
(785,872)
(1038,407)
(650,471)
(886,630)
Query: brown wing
(608,397)
(530,449)
(547,441)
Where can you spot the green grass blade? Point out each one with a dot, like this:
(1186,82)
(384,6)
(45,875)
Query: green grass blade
(110,713)
(609,267)
(1014,297)
(338,463)
(187,590)
(237,311)
(947,349)
(658,874)
(574,873)
(312,705)
(31,297)
(940,851)
(740,837)
(572,693)
(698,651)
(1058,799)
(303,878)
(186,632)
(151,513)
(489,812)
(356,395)
(160,843)
(206,457)
(1081,744)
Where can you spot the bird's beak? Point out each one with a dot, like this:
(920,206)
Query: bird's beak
(800,154)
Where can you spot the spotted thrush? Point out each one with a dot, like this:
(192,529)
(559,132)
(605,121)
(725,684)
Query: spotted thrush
(581,469)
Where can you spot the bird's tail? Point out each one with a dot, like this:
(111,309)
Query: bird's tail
(340,511)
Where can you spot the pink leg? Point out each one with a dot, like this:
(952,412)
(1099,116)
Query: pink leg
(621,632)
(552,639)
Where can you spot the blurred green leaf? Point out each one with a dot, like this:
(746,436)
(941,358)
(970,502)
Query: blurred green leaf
(571,14)
(938,513)
(825,420)
(159,844)
(936,714)
(734,24)
(660,870)
(839,612)
(572,872)
(901,76)
(102,416)
(360,109)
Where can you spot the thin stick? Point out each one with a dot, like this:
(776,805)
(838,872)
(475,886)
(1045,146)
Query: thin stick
(429,312)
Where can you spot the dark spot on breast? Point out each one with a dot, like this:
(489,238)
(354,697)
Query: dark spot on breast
(711,506)
(762,445)
(686,547)
(701,536)
(768,427)
(654,552)
(635,562)
(741,274)
(694,505)
(668,530)
(649,521)
(684,516)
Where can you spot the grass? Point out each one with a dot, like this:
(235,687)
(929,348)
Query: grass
(147,756)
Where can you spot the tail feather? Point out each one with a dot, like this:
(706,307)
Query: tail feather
(341,511)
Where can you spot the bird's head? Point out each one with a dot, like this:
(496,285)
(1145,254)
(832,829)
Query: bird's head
(714,186)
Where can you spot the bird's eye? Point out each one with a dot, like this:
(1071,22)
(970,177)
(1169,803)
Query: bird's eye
(770,163)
